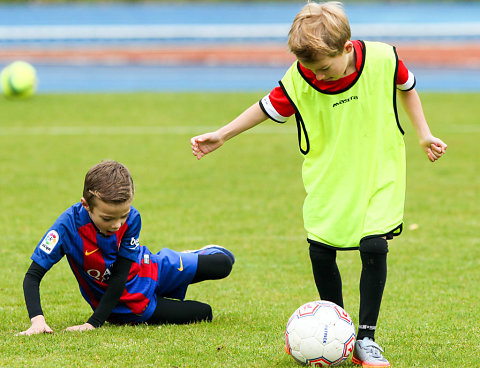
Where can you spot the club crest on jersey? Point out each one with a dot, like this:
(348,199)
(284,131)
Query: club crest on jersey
(49,242)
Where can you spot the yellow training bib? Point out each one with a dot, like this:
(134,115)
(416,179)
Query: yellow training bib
(354,167)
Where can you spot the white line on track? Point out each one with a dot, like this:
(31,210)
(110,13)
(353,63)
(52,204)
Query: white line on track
(225,31)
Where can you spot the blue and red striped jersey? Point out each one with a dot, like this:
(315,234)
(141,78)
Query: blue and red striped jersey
(91,256)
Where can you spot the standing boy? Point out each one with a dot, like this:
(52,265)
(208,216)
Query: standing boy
(343,95)
(121,280)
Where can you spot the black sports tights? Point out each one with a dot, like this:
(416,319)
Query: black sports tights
(373,252)
(210,267)
(326,274)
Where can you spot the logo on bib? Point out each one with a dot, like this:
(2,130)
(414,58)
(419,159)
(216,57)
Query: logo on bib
(345,100)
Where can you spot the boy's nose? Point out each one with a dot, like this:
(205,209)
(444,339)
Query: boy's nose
(320,76)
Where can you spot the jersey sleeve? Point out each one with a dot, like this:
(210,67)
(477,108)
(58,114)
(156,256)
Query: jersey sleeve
(277,106)
(130,244)
(53,246)
(405,78)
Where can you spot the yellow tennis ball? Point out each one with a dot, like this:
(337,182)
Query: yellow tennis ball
(19,79)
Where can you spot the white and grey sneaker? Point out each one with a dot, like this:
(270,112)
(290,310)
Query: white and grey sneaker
(368,353)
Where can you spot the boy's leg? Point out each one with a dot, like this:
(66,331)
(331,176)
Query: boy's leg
(326,274)
(373,252)
(212,267)
(214,263)
(180,312)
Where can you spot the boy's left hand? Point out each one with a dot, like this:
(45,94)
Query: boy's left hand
(84,327)
(433,147)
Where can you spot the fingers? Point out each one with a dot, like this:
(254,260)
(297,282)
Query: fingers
(434,152)
(195,147)
(200,145)
(35,331)
(85,327)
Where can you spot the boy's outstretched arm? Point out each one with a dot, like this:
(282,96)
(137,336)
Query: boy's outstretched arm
(31,290)
(116,286)
(208,142)
(433,147)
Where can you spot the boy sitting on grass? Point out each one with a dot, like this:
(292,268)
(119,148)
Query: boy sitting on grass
(121,280)
(343,94)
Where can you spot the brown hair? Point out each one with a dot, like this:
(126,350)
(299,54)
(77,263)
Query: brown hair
(109,181)
(319,29)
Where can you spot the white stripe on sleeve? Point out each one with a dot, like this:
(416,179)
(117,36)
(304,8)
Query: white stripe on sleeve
(270,110)
(408,84)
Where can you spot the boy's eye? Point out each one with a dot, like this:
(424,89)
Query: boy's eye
(111,218)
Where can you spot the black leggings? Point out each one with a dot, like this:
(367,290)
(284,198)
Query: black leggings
(210,267)
(326,274)
(373,252)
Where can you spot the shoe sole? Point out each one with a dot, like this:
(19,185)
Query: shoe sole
(367,365)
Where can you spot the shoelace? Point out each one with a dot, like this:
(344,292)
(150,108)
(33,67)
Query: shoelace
(374,349)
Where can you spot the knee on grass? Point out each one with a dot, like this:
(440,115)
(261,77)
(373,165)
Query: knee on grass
(214,266)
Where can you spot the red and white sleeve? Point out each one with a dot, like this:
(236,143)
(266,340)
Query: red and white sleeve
(277,106)
(405,78)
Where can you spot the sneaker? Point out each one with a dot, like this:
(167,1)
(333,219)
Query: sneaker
(368,353)
(212,249)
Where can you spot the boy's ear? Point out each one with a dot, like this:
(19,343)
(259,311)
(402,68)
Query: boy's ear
(84,203)
(348,46)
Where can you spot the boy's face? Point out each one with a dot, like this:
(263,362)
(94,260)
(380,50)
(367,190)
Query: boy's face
(329,68)
(107,217)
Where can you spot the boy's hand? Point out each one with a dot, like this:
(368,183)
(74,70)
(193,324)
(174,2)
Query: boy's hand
(433,147)
(85,327)
(38,326)
(205,143)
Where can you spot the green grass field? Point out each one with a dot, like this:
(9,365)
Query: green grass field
(248,197)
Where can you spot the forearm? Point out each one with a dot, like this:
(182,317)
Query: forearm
(433,146)
(251,117)
(116,286)
(31,289)
(413,107)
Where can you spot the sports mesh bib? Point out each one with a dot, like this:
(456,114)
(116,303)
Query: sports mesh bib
(354,153)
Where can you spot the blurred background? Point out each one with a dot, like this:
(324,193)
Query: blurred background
(221,46)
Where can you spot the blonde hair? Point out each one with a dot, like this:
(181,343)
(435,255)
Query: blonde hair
(109,181)
(319,29)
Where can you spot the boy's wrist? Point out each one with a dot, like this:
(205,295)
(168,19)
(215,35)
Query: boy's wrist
(38,319)
(223,135)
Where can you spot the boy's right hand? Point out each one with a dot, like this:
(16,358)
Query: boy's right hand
(205,143)
(39,325)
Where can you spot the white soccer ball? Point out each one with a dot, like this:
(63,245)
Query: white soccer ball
(320,334)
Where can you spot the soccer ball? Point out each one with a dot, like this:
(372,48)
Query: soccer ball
(320,334)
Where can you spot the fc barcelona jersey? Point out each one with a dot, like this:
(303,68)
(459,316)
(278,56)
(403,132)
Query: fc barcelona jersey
(91,256)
